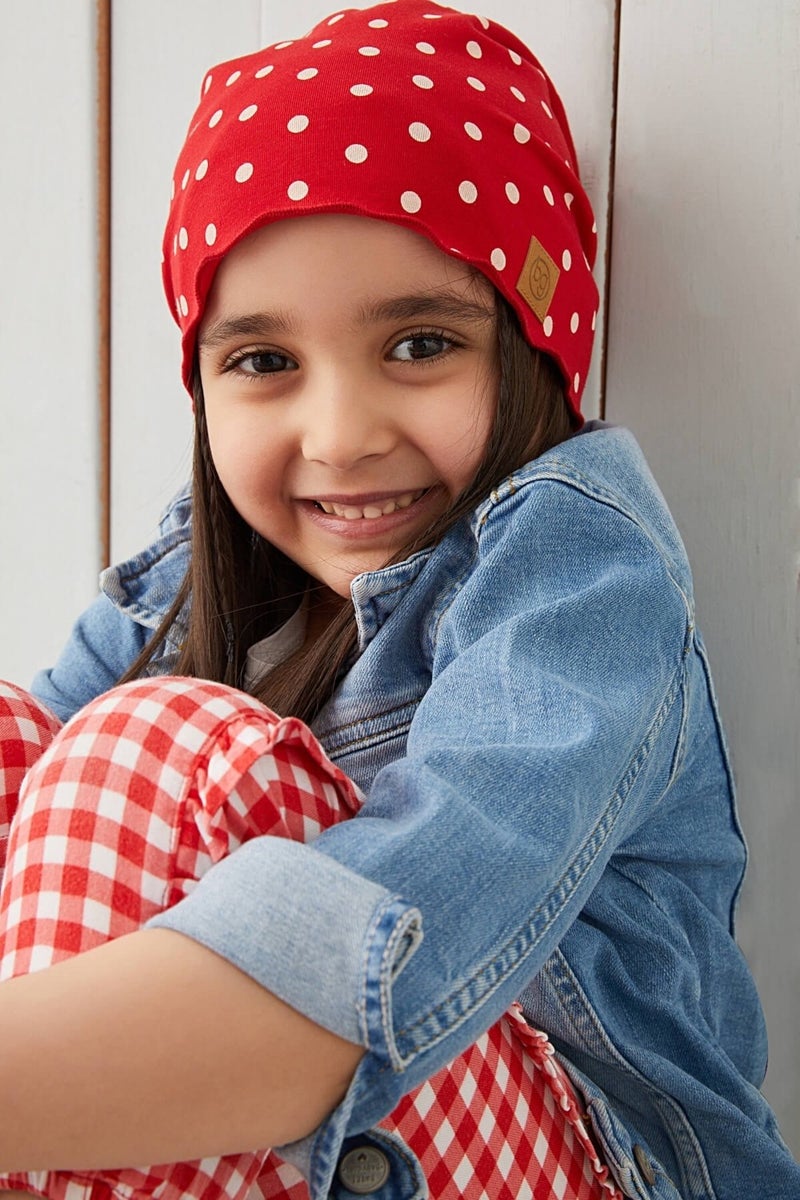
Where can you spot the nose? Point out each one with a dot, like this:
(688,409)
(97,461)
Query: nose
(344,423)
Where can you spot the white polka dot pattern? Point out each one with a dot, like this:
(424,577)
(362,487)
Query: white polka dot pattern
(399,111)
(410,202)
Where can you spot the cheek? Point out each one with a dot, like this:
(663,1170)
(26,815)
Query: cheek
(226,454)
(462,439)
(240,450)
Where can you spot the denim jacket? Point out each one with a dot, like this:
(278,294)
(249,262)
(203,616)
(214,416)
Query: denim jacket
(549,817)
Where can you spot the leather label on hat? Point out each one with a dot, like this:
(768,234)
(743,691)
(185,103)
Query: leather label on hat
(538,278)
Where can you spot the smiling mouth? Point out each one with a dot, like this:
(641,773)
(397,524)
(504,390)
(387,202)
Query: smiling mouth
(373,510)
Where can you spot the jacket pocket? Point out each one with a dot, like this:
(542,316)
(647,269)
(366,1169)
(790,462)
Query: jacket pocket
(637,1172)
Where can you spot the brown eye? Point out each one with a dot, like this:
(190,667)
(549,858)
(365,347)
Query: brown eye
(421,346)
(263,362)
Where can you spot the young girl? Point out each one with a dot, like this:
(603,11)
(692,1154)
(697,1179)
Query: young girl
(495,815)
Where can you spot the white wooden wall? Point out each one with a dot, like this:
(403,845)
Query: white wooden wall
(704,364)
(697,106)
(49,475)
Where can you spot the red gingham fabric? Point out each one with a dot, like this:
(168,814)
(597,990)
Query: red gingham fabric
(133,801)
(412,113)
(26,729)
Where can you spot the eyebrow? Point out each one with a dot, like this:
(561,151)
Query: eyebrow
(444,306)
(262,324)
(425,304)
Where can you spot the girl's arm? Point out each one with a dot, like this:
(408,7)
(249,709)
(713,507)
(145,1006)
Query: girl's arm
(82,1042)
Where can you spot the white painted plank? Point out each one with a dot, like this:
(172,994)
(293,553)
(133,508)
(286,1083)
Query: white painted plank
(160,54)
(49,533)
(704,367)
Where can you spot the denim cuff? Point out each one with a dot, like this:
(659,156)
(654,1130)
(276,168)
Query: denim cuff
(271,896)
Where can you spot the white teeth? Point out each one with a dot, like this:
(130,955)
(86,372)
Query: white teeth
(370,511)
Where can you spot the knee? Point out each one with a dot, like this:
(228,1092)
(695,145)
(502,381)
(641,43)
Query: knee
(184,696)
(187,709)
(24,718)
(153,727)
(26,730)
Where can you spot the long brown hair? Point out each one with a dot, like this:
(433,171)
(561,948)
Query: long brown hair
(242,588)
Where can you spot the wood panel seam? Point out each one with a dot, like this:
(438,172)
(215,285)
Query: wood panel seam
(612,166)
(103,71)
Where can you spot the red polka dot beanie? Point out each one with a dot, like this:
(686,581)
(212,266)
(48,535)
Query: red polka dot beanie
(406,112)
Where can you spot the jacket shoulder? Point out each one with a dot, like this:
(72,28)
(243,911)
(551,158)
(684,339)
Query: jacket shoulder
(144,586)
(600,468)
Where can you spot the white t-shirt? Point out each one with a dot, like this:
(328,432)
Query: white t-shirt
(271,651)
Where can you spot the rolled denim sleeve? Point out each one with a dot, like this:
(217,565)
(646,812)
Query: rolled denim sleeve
(549,727)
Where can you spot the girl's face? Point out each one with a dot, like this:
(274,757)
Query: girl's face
(350,381)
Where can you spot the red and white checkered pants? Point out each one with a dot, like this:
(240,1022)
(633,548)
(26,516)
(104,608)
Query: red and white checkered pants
(119,815)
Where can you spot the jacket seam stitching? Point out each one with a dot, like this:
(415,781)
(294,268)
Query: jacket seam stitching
(662,1097)
(387,712)
(569,477)
(479,990)
(132,575)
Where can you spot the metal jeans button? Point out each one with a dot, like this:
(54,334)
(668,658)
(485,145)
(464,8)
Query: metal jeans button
(364,1170)
(644,1164)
